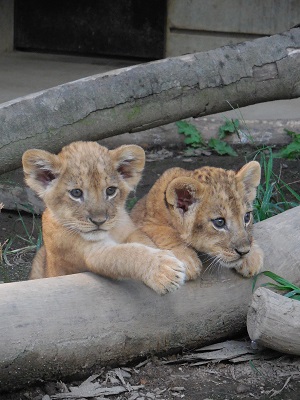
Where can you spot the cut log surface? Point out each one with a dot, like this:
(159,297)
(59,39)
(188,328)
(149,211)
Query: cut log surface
(66,326)
(153,94)
(274,321)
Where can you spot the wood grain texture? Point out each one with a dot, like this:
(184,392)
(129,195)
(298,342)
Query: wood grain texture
(274,321)
(66,326)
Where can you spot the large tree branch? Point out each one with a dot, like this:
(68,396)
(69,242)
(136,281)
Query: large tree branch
(143,96)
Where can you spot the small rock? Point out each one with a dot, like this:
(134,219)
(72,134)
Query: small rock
(125,374)
(241,388)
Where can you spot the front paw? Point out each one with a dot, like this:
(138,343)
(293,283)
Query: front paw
(253,262)
(166,273)
(193,265)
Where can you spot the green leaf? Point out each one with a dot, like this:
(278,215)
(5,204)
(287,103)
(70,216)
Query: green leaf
(295,136)
(230,126)
(39,241)
(193,137)
(221,147)
(290,151)
(283,284)
(275,286)
(292,293)
(292,191)
(280,280)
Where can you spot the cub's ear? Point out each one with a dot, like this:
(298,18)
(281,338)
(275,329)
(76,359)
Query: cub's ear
(250,175)
(40,169)
(182,192)
(129,161)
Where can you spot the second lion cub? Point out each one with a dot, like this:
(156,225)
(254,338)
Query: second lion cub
(208,210)
(85,224)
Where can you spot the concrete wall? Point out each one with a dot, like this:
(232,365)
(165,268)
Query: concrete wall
(201,25)
(6,25)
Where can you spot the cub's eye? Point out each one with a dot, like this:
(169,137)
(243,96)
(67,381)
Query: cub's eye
(76,193)
(219,222)
(247,217)
(110,191)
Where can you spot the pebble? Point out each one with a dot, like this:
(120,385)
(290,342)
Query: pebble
(241,388)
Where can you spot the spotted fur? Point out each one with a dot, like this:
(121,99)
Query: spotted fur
(208,210)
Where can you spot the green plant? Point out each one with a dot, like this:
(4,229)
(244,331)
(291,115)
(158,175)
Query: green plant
(292,291)
(193,139)
(229,127)
(221,147)
(292,150)
(271,198)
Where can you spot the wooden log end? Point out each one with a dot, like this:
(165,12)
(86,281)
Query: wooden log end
(274,321)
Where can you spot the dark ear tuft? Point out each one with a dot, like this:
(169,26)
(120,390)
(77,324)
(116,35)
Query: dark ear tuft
(184,199)
(182,192)
(45,176)
(125,169)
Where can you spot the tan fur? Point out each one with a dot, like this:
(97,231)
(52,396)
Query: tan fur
(180,211)
(89,230)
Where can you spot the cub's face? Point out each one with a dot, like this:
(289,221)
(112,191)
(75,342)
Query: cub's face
(212,210)
(86,185)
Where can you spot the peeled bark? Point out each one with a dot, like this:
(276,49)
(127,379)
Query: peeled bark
(274,321)
(153,94)
(66,326)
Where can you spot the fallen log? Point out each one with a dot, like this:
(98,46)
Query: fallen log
(68,326)
(143,96)
(274,321)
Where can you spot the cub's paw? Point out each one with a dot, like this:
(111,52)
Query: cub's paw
(166,273)
(193,265)
(253,262)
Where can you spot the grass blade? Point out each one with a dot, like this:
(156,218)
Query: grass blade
(282,284)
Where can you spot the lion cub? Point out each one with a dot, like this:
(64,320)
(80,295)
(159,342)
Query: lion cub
(208,210)
(85,224)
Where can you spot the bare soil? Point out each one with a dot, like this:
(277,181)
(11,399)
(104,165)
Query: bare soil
(276,378)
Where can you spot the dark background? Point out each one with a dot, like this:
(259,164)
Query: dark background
(119,28)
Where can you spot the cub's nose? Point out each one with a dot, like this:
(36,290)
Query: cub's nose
(242,252)
(98,222)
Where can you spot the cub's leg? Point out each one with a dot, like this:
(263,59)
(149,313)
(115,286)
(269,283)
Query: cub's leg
(167,238)
(138,236)
(38,264)
(158,269)
(189,257)
(253,262)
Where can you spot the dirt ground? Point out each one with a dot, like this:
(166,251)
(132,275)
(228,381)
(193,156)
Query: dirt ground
(276,378)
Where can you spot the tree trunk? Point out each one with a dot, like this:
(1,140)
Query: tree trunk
(153,94)
(274,321)
(66,326)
